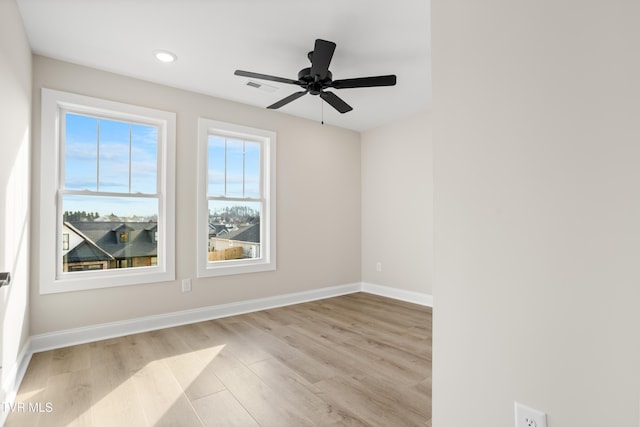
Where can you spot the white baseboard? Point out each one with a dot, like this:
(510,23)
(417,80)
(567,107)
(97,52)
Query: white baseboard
(13,378)
(69,337)
(399,294)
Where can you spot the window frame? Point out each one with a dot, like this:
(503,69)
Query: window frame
(267,260)
(54,104)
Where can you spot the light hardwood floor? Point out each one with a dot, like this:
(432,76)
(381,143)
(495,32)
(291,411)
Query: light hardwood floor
(357,360)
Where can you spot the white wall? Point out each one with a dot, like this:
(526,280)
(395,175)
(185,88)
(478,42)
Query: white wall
(397,204)
(318,205)
(537,207)
(15,115)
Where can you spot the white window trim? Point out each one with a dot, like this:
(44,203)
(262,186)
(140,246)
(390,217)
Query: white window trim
(53,102)
(267,261)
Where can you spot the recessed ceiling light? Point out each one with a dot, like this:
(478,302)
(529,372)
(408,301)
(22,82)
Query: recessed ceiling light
(165,56)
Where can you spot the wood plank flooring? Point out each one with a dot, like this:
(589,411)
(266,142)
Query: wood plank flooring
(353,360)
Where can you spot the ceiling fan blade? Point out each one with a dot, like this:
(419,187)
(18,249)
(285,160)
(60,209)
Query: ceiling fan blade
(288,99)
(389,80)
(265,77)
(321,58)
(336,102)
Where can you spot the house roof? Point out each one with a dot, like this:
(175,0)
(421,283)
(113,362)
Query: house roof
(93,253)
(104,235)
(250,234)
(86,251)
(122,225)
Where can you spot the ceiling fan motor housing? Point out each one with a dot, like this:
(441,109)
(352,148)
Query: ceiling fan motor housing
(314,85)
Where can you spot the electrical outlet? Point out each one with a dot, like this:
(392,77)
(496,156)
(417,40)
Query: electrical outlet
(529,417)
(378,266)
(186,285)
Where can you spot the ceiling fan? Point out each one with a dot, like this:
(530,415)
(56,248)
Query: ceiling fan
(317,78)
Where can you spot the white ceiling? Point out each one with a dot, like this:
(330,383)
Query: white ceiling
(213,38)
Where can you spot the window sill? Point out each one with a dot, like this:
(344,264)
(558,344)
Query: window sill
(88,280)
(227,268)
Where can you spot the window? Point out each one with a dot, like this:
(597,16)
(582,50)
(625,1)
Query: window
(236,199)
(107,193)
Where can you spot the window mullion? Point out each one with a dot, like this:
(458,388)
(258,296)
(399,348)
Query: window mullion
(98,157)
(225,166)
(109,194)
(130,137)
(235,199)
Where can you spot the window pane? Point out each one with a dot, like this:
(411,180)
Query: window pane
(114,156)
(234,230)
(109,232)
(80,152)
(215,176)
(252,170)
(144,159)
(235,168)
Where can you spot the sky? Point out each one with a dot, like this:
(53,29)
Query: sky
(116,157)
(110,156)
(238,173)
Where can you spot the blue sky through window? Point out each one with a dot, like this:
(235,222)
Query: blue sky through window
(110,156)
(233,168)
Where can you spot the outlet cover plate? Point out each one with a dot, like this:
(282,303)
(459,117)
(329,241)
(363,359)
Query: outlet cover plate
(529,417)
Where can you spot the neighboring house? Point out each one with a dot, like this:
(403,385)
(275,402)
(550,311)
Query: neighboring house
(80,253)
(245,237)
(109,244)
(216,229)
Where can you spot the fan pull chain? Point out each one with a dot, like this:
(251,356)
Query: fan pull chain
(322,110)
